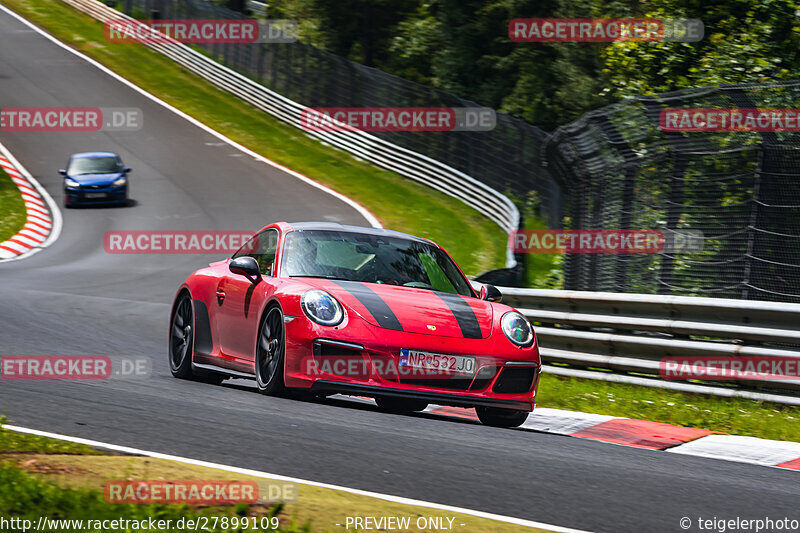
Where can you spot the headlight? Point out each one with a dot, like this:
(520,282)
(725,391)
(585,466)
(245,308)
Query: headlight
(71,183)
(119,182)
(322,308)
(517,329)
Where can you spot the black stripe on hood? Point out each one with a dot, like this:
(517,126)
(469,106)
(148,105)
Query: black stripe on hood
(465,316)
(374,304)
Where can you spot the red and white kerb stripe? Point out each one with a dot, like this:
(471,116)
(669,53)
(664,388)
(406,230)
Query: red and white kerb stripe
(645,434)
(39,222)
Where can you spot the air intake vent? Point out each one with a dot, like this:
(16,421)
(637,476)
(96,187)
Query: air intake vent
(515,380)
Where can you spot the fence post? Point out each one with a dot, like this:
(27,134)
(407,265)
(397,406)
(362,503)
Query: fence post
(768,139)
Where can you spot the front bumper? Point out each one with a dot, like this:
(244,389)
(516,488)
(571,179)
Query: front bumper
(439,398)
(99,195)
(506,376)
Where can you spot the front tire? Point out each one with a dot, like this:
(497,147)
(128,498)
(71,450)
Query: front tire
(270,350)
(181,337)
(501,418)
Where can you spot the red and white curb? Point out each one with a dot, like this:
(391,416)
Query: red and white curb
(43,222)
(781,454)
(647,435)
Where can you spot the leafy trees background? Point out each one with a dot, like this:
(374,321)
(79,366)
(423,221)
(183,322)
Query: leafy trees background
(462,46)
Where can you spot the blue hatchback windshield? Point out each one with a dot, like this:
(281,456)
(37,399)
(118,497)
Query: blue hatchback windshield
(368,258)
(94,165)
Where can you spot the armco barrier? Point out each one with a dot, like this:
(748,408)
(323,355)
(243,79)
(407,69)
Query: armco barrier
(418,167)
(628,334)
(624,333)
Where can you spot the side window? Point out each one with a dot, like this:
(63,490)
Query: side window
(262,247)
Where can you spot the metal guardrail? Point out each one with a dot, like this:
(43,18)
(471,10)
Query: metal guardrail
(623,333)
(626,335)
(491,203)
(259,9)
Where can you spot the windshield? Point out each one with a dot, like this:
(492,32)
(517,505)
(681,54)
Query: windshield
(371,259)
(94,165)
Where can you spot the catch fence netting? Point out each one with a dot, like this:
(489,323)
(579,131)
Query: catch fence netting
(621,169)
(613,168)
(506,158)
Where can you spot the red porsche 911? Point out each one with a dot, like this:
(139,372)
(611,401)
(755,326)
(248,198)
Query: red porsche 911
(326,308)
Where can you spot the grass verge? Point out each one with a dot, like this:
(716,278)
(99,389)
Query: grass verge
(475,242)
(736,416)
(47,477)
(12,208)
(26,498)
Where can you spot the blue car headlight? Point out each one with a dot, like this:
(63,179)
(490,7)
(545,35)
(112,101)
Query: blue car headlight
(322,308)
(120,182)
(517,329)
(71,183)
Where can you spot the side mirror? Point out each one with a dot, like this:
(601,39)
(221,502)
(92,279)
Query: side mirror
(245,266)
(126,170)
(62,171)
(490,293)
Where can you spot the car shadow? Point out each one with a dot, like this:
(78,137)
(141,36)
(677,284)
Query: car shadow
(130,203)
(353,403)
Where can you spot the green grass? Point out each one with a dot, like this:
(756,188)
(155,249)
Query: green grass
(12,208)
(25,497)
(475,242)
(48,477)
(13,442)
(736,416)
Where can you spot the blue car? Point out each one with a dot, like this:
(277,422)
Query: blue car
(95,178)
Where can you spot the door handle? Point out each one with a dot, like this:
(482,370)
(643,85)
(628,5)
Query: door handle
(220,295)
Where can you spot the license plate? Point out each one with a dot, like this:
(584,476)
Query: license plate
(95,195)
(436,362)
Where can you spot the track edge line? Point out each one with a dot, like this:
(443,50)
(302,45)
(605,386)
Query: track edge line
(361,210)
(255,473)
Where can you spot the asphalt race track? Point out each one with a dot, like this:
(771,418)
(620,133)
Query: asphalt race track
(75,299)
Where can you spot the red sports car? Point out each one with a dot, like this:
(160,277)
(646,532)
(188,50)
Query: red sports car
(327,309)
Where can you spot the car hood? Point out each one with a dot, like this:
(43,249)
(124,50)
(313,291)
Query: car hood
(96,179)
(413,310)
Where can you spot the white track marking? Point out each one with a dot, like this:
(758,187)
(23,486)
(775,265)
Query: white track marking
(741,449)
(563,422)
(265,475)
(369,217)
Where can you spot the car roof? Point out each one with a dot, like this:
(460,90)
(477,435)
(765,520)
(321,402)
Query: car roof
(334,226)
(91,155)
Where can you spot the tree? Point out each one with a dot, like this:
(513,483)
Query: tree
(745,41)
